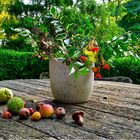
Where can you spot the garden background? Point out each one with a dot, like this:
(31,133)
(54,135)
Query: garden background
(115,25)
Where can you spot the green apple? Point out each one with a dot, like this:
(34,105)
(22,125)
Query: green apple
(5,95)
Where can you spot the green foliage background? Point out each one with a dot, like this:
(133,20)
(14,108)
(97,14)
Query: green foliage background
(20,65)
(115,25)
(127,67)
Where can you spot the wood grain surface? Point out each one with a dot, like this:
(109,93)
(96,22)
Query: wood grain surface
(112,112)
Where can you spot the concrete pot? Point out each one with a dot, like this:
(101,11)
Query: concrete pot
(65,88)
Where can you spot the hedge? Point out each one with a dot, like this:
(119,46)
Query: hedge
(127,66)
(20,65)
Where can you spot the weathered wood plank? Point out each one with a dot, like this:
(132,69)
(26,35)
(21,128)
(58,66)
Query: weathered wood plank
(114,101)
(112,124)
(118,87)
(116,83)
(30,85)
(37,82)
(29,89)
(24,95)
(42,82)
(103,125)
(104,84)
(132,101)
(12,130)
(113,117)
(113,109)
(59,130)
(96,122)
(109,106)
(107,89)
(98,91)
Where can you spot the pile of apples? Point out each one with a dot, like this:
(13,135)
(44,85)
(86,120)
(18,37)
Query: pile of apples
(42,111)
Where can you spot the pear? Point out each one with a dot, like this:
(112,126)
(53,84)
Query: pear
(5,95)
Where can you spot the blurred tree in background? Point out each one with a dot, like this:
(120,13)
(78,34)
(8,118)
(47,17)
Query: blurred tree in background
(131,22)
(114,24)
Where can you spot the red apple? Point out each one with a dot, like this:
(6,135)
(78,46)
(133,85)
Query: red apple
(46,111)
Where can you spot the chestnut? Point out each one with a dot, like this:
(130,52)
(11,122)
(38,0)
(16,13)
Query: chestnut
(60,113)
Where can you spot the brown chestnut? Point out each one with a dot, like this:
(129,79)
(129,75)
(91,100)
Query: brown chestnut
(60,113)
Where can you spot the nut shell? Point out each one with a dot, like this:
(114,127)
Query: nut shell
(60,113)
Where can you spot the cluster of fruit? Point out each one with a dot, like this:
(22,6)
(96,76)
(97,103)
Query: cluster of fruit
(16,106)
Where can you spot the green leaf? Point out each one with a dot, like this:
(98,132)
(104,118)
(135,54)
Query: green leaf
(61,36)
(59,30)
(88,63)
(49,16)
(87,31)
(43,28)
(29,40)
(29,20)
(62,18)
(53,10)
(76,55)
(71,51)
(84,71)
(69,26)
(76,74)
(80,30)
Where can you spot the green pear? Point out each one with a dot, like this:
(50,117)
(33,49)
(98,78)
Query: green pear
(5,95)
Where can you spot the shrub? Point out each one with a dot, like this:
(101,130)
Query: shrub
(20,65)
(18,44)
(127,66)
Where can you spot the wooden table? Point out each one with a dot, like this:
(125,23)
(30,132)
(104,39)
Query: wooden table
(112,112)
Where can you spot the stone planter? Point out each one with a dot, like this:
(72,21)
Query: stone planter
(65,88)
